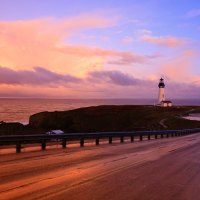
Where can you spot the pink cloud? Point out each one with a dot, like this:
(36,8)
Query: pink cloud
(114,77)
(24,44)
(98,84)
(168,41)
(114,56)
(37,76)
(43,42)
(127,40)
(179,68)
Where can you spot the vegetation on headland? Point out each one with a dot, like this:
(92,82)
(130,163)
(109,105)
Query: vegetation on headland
(107,118)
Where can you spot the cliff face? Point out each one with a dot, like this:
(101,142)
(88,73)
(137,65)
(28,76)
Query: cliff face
(111,118)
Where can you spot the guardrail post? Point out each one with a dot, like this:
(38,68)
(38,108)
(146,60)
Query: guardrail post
(122,139)
(132,138)
(18,147)
(167,135)
(149,137)
(161,135)
(141,138)
(43,145)
(64,143)
(82,142)
(97,141)
(110,140)
(172,135)
(156,136)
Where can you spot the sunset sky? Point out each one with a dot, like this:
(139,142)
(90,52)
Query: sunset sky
(99,49)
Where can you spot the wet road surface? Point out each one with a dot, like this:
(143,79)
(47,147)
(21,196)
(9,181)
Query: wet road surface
(164,169)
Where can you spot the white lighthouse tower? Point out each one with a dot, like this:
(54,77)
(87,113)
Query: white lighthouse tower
(161,94)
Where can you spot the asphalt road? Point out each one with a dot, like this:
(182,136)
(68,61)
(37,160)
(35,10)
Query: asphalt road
(162,169)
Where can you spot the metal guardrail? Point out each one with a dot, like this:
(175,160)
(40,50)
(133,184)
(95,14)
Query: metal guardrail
(18,140)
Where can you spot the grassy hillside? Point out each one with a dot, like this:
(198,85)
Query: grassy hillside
(115,118)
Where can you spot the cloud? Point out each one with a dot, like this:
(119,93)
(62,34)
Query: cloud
(118,84)
(38,76)
(44,42)
(142,32)
(114,77)
(38,42)
(167,41)
(112,56)
(98,84)
(127,40)
(43,77)
(181,90)
(193,13)
(147,36)
(179,67)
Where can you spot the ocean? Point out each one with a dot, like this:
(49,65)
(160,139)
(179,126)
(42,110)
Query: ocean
(19,110)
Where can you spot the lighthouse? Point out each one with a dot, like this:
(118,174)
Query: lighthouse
(161,95)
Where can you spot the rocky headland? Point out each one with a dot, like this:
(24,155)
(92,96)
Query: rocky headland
(106,118)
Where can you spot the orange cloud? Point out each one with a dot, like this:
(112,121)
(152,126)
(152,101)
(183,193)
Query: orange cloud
(43,42)
(122,57)
(24,44)
(168,41)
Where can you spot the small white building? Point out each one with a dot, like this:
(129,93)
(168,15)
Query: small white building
(166,103)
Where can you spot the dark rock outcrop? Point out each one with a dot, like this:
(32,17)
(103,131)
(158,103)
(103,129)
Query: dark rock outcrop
(16,128)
